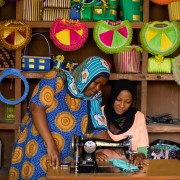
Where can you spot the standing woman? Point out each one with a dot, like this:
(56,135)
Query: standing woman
(62,104)
(122,120)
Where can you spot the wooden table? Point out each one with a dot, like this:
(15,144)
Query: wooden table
(152,170)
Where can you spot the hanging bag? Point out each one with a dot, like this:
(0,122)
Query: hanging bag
(160,37)
(112,37)
(15,34)
(68,35)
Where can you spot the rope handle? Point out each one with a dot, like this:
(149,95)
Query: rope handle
(156,23)
(13,21)
(35,34)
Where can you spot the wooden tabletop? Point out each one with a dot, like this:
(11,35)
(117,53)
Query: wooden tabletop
(152,170)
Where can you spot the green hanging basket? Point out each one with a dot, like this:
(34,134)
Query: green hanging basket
(160,37)
(112,37)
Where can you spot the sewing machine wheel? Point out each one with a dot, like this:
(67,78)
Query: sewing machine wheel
(74,141)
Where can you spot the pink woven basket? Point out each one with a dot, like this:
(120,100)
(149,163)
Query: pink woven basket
(128,61)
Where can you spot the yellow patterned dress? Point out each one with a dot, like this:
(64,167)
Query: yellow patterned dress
(65,116)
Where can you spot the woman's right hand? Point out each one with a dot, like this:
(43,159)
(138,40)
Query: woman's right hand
(53,155)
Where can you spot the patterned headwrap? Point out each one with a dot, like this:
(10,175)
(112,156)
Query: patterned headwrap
(89,70)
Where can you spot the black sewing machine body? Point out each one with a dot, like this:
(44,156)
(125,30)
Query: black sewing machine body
(84,150)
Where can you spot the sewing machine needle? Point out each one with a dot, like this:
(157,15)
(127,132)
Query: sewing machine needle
(76,164)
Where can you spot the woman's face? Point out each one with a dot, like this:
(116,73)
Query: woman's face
(122,102)
(95,86)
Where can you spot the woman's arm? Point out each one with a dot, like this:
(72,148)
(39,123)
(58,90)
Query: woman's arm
(103,135)
(40,122)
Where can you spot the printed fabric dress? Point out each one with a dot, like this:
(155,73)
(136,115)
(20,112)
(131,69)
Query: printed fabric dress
(64,114)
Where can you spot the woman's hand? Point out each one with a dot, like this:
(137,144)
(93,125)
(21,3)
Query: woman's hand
(138,159)
(105,154)
(100,156)
(53,155)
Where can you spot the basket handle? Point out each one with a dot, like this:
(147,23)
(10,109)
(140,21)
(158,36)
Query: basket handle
(155,23)
(35,34)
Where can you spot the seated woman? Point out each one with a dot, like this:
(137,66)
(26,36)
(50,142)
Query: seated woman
(122,120)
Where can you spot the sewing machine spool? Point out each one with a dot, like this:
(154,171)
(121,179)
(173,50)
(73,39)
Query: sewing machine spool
(84,150)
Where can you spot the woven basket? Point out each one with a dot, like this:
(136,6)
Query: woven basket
(162,2)
(37,63)
(159,67)
(136,12)
(128,61)
(51,14)
(32,10)
(174,10)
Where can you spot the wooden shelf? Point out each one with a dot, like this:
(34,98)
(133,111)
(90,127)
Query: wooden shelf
(160,77)
(115,76)
(34,75)
(4,173)
(161,128)
(90,24)
(9,125)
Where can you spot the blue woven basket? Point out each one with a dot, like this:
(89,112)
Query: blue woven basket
(37,63)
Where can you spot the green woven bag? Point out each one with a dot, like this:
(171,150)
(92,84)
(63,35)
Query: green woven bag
(131,10)
(159,65)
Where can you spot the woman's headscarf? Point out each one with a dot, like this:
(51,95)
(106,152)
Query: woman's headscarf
(119,124)
(89,70)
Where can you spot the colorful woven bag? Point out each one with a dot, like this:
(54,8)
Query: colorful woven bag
(107,10)
(159,64)
(69,35)
(15,34)
(128,61)
(136,12)
(112,37)
(37,63)
(160,37)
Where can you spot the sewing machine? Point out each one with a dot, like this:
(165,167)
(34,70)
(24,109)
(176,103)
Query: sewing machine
(84,151)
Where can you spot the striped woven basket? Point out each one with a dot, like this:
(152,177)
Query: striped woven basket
(165,66)
(128,61)
(174,10)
